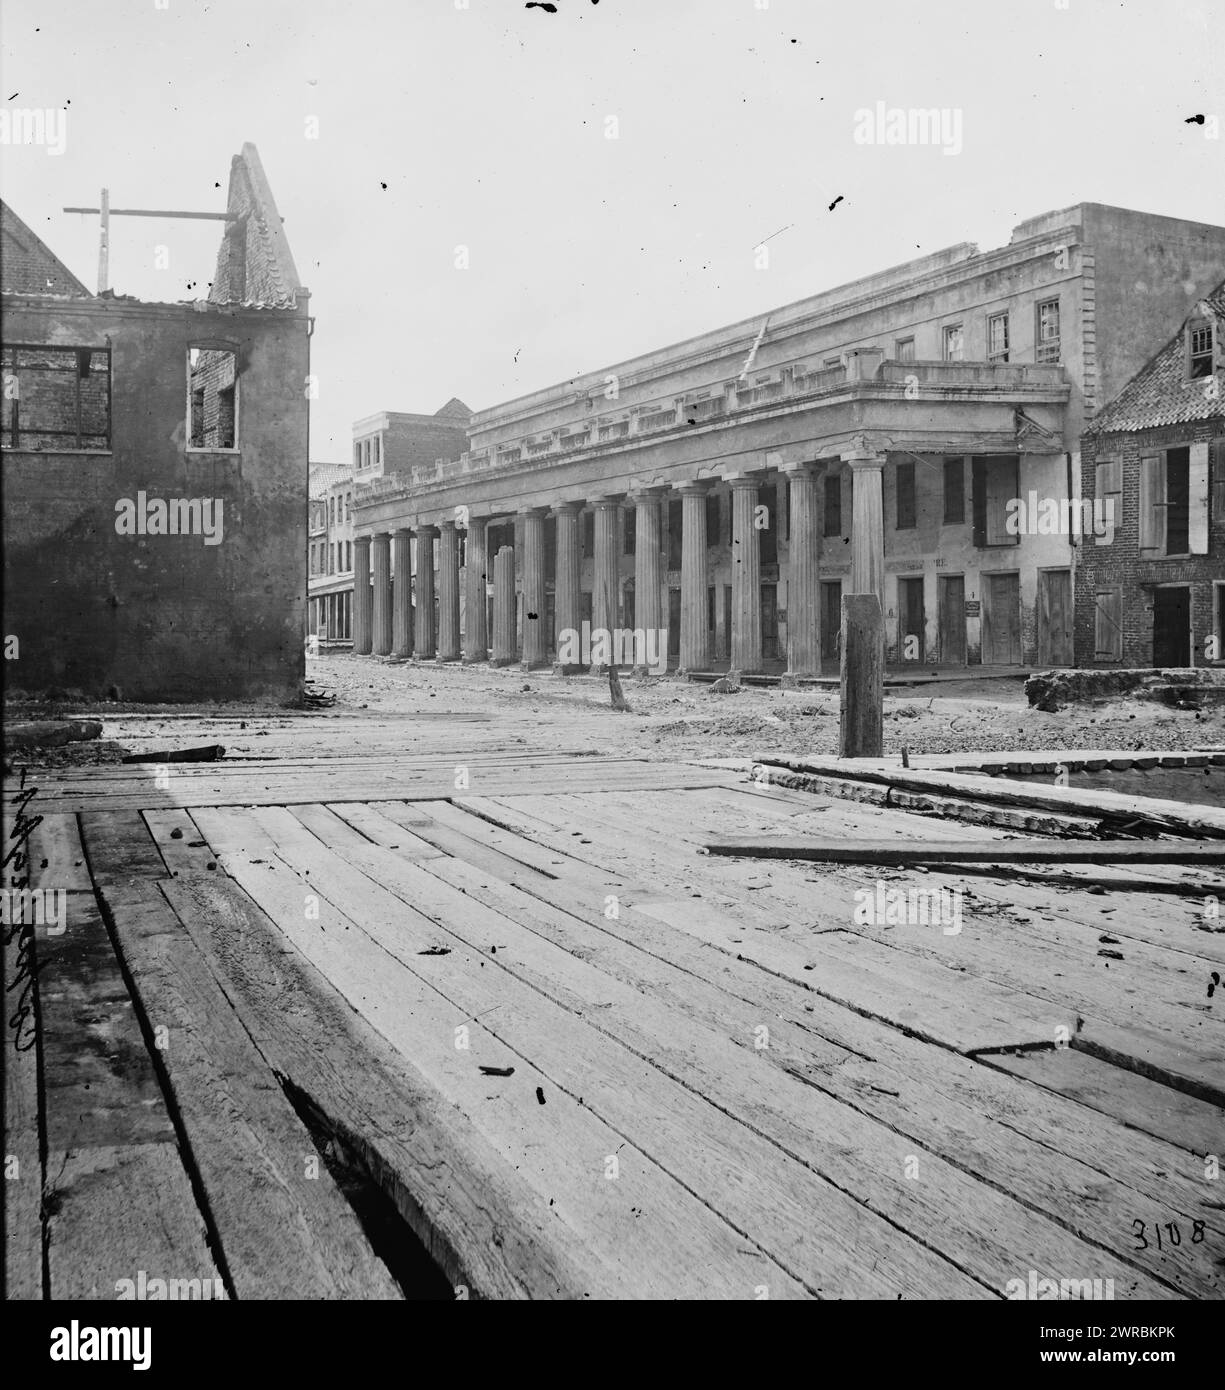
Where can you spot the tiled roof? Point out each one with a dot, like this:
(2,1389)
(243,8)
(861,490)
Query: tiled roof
(1159,393)
(29,266)
(324,476)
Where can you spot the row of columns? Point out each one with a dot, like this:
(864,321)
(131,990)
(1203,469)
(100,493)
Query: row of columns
(383,628)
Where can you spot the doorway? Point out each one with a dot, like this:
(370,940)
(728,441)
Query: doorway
(951,628)
(1001,619)
(1055,618)
(769,622)
(674,624)
(831,619)
(1172,626)
(910,618)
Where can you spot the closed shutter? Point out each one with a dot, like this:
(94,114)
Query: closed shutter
(1197,500)
(978,500)
(1152,503)
(1109,491)
(1108,625)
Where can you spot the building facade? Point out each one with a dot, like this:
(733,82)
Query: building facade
(330,556)
(1153,594)
(154,459)
(728,490)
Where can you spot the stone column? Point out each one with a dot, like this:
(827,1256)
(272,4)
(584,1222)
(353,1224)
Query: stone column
(362,633)
(606,574)
(476,636)
(401,593)
(448,592)
(695,635)
(504,607)
(746,578)
(535,644)
(423,645)
(647,599)
(381,563)
(567,610)
(803,589)
(867,523)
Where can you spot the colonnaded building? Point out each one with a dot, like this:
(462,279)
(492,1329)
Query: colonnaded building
(731,488)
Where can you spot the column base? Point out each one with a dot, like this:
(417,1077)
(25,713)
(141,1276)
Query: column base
(640,673)
(445,660)
(475,660)
(500,661)
(540,665)
(793,680)
(567,669)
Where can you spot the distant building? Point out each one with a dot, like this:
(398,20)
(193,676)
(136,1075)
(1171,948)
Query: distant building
(1154,595)
(330,559)
(389,449)
(155,459)
(907,434)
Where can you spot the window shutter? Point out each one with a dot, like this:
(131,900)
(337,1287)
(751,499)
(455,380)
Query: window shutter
(978,484)
(1109,490)
(1197,500)
(1107,625)
(1152,502)
(1218,482)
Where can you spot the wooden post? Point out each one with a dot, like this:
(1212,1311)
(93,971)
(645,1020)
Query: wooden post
(104,241)
(862,724)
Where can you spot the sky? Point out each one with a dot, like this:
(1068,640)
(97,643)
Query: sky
(485,198)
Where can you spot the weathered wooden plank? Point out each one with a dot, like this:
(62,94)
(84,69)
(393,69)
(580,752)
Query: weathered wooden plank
(23,1232)
(183,849)
(805,1127)
(482,1223)
(649,1236)
(285,1232)
(117,1197)
(959,851)
(1170,817)
(1135,1100)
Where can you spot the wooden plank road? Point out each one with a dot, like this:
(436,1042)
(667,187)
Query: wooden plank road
(582,1059)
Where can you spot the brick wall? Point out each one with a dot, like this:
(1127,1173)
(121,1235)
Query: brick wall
(1120,563)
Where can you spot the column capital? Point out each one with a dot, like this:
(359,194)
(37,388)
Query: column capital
(650,493)
(695,487)
(807,468)
(541,511)
(568,508)
(866,449)
(745,480)
(448,525)
(608,501)
(362,540)
(403,531)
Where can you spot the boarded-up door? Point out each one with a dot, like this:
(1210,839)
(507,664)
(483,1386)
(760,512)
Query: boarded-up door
(951,592)
(831,618)
(1055,618)
(1001,620)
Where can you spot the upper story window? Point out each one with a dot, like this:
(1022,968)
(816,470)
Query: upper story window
(56,398)
(954,492)
(954,342)
(905,496)
(1199,350)
(993,483)
(348,506)
(212,375)
(357,454)
(903,350)
(997,338)
(331,511)
(1174,502)
(1046,336)
(378,448)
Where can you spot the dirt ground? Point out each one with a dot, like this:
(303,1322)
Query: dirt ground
(668,716)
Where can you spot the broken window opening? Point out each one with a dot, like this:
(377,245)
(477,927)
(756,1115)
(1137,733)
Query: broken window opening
(56,398)
(212,386)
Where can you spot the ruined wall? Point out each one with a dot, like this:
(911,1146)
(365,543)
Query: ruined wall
(161,616)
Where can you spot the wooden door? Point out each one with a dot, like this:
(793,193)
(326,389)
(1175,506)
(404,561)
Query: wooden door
(1055,618)
(910,619)
(1001,619)
(1172,627)
(951,619)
